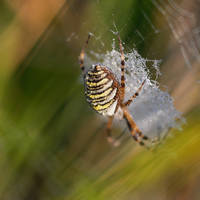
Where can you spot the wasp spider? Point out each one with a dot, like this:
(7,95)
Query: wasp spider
(106,94)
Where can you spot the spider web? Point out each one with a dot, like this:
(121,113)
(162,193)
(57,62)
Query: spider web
(181,22)
(154,110)
(184,27)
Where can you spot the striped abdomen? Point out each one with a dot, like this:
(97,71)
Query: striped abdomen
(102,90)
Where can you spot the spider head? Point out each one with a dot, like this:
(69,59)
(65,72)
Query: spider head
(96,68)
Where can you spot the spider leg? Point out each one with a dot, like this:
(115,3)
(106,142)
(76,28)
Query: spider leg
(82,54)
(135,132)
(122,84)
(127,103)
(110,139)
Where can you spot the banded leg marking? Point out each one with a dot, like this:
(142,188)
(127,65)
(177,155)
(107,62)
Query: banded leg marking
(135,132)
(127,103)
(122,69)
(110,139)
(82,54)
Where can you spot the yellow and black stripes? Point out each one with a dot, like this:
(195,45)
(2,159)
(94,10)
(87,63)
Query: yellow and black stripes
(100,94)
(101,91)
(100,88)
(106,99)
(96,83)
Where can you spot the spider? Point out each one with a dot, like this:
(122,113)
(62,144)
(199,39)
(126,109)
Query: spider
(105,94)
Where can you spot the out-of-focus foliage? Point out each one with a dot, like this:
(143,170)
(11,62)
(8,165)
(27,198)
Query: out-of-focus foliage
(52,146)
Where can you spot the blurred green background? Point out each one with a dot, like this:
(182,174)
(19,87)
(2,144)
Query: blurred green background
(52,145)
